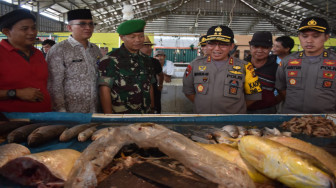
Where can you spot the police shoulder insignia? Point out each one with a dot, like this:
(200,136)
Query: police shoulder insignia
(188,70)
(208,59)
(325,54)
(231,61)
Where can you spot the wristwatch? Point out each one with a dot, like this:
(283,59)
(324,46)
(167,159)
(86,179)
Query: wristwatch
(11,93)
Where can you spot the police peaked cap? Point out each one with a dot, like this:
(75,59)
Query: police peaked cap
(11,18)
(315,23)
(220,33)
(131,26)
(202,40)
(79,14)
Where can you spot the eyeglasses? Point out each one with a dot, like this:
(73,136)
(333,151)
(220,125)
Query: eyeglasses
(84,24)
(220,44)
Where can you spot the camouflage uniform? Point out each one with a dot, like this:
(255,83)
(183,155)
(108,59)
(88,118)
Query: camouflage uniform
(129,77)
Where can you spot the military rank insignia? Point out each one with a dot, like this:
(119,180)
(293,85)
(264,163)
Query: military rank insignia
(328,74)
(327,84)
(292,81)
(201,68)
(208,59)
(294,62)
(188,70)
(328,62)
(200,88)
(235,72)
(231,61)
(236,67)
(292,73)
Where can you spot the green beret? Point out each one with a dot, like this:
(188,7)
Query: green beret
(131,26)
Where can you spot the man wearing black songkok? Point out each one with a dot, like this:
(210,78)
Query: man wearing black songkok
(73,67)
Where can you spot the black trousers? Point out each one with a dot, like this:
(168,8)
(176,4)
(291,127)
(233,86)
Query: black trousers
(157,99)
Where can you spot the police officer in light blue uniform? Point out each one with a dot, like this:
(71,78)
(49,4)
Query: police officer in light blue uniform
(307,79)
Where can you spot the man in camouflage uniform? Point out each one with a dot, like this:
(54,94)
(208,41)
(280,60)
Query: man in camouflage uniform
(126,74)
(219,84)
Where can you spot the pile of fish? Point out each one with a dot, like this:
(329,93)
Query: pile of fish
(40,133)
(219,135)
(311,125)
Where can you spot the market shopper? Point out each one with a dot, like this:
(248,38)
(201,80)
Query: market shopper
(265,67)
(167,66)
(46,45)
(126,76)
(23,69)
(282,47)
(219,84)
(307,78)
(73,67)
(158,84)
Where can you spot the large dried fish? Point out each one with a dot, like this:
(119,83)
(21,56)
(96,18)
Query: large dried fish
(44,134)
(8,126)
(12,151)
(73,132)
(101,152)
(45,169)
(86,134)
(20,134)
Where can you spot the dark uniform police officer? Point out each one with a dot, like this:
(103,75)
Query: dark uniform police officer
(202,44)
(307,78)
(219,83)
(126,74)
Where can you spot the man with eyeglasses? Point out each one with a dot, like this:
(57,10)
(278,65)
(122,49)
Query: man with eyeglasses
(127,74)
(307,78)
(73,67)
(220,84)
(265,67)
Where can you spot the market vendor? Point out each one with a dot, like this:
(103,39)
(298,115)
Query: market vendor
(23,69)
(126,74)
(220,84)
(307,78)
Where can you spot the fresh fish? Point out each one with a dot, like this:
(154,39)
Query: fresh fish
(231,154)
(102,151)
(73,132)
(20,134)
(202,140)
(255,132)
(100,133)
(8,126)
(232,130)
(242,131)
(221,137)
(291,167)
(45,169)
(44,134)
(274,132)
(86,134)
(320,154)
(12,151)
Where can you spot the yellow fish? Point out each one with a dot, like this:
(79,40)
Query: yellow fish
(290,167)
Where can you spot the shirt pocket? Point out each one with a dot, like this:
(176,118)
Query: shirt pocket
(294,79)
(326,80)
(201,84)
(233,88)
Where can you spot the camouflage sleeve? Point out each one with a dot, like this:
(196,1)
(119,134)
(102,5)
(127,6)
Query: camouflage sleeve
(252,86)
(188,81)
(106,72)
(280,79)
